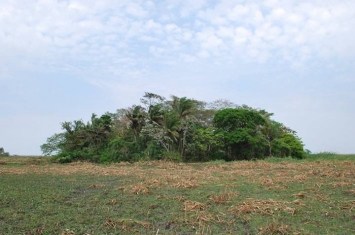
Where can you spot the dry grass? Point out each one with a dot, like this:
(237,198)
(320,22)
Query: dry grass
(112,202)
(68,232)
(140,189)
(205,217)
(267,207)
(300,195)
(193,206)
(181,184)
(180,175)
(223,198)
(180,198)
(275,228)
(97,186)
(125,224)
(348,205)
(351,192)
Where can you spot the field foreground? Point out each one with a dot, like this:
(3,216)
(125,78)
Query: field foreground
(261,197)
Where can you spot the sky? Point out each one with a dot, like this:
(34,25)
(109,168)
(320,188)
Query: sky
(62,60)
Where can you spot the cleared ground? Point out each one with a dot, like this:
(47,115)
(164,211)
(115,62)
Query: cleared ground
(259,197)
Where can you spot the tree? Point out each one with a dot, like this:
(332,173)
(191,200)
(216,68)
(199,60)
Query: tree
(183,108)
(178,128)
(121,123)
(221,104)
(136,117)
(80,140)
(203,114)
(156,133)
(281,140)
(289,145)
(154,106)
(208,144)
(241,129)
(168,123)
(54,144)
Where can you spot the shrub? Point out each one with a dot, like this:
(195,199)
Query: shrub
(3,153)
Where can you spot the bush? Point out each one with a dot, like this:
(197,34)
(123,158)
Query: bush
(288,146)
(172,156)
(117,151)
(153,151)
(3,153)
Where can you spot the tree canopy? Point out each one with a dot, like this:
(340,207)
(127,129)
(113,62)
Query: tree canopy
(178,128)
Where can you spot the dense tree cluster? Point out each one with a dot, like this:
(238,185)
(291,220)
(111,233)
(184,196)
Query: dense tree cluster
(179,129)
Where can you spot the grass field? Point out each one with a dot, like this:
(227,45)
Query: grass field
(312,196)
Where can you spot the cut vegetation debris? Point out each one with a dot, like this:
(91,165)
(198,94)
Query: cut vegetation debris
(275,228)
(139,189)
(193,206)
(267,207)
(259,197)
(223,198)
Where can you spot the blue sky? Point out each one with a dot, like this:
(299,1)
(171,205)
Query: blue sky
(61,60)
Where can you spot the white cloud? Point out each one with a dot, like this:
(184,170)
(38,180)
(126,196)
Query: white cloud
(136,10)
(225,32)
(238,12)
(271,3)
(109,42)
(74,26)
(189,7)
(153,27)
(294,18)
(277,13)
(187,58)
(208,40)
(171,27)
(77,6)
(241,35)
(203,54)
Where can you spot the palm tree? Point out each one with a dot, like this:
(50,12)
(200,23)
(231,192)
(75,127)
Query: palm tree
(183,107)
(136,118)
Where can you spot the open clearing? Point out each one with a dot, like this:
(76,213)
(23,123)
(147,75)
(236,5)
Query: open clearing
(260,197)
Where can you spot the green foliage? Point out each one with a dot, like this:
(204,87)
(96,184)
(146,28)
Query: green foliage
(80,141)
(63,158)
(172,156)
(231,119)
(294,145)
(179,129)
(3,153)
(207,144)
(241,131)
(117,151)
(136,118)
(153,151)
(329,156)
(53,145)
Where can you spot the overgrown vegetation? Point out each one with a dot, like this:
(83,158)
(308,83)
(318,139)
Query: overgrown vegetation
(178,129)
(38,197)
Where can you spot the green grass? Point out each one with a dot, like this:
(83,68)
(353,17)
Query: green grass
(314,157)
(330,156)
(262,197)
